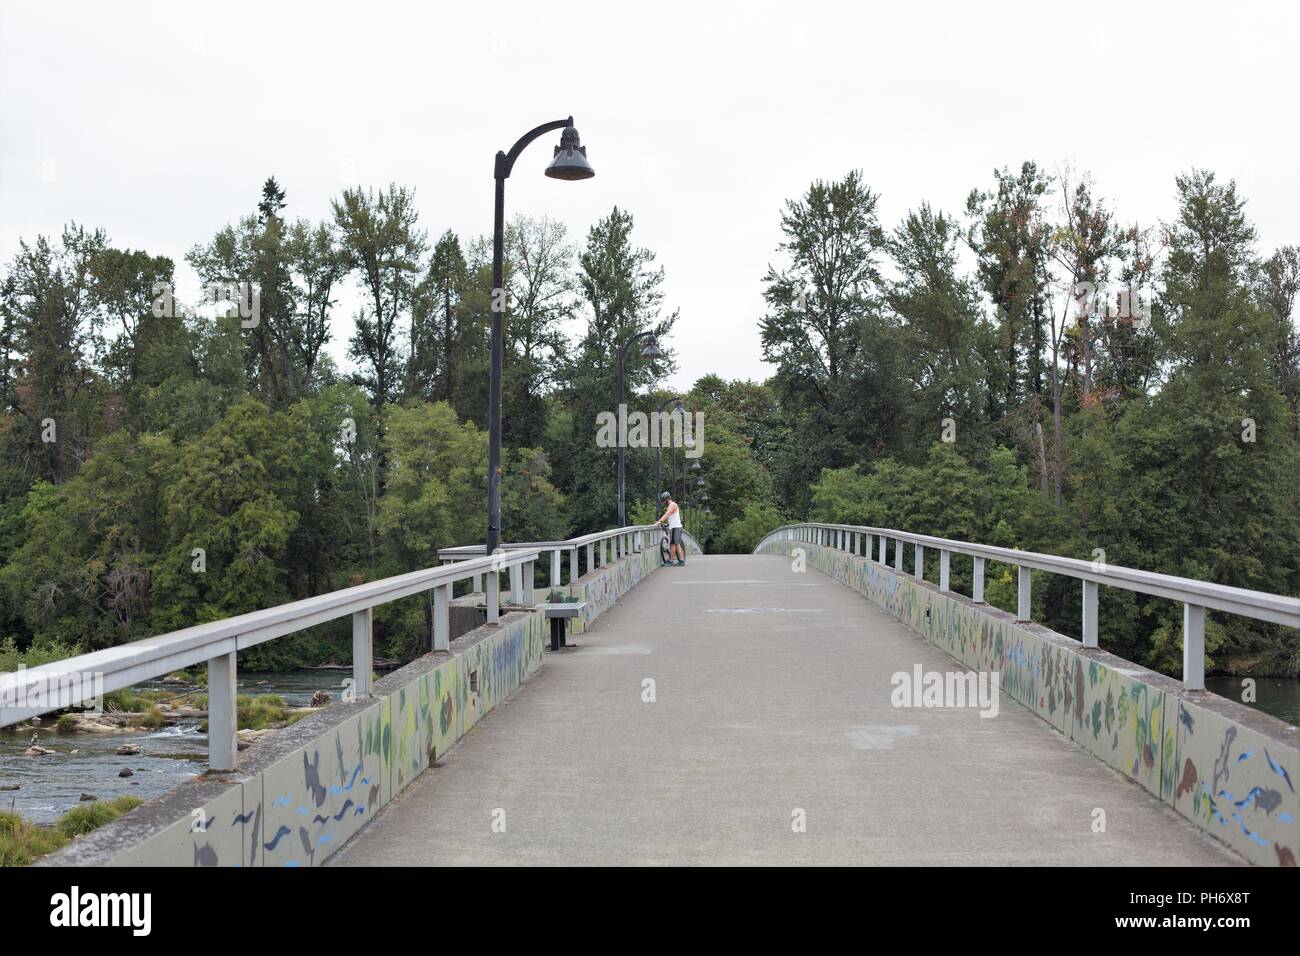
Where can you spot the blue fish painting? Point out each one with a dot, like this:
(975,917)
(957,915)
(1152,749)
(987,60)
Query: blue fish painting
(311,778)
(1278,769)
(280,834)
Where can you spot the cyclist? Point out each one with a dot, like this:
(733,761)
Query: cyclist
(673,515)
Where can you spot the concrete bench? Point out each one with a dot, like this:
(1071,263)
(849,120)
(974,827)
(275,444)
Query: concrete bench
(559,614)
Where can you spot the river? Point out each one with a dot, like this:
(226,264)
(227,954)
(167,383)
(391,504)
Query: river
(50,785)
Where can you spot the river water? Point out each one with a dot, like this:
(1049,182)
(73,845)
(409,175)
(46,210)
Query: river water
(51,785)
(1279,696)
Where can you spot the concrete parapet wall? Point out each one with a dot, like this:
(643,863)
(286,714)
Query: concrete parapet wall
(602,588)
(1229,769)
(303,791)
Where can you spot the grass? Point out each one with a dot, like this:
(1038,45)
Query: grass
(22,843)
(151,719)
(258,713)
(130,701)
(91,816)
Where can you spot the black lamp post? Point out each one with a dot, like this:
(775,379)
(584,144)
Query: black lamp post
(678,407)
(570,163)
(651,351)
(695,469)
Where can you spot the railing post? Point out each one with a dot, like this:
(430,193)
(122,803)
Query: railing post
(977,591)
(591,558)
(919,556)
(604,549)
(442,618)
(1193,647)
(1023,606)
(882,548)
(516,583)
(555,567)
(898,554)
(618,540)
(943,570)
(222,726)
(528,572)
(478,584)
(363,654)
(573,566)
(493,597)
(1089,613)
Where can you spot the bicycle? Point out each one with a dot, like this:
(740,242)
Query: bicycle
(664,544)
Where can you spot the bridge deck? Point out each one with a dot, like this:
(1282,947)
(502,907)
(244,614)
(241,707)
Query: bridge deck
(773,693)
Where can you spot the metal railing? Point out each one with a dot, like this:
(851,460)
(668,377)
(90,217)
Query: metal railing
(1195,596)
(30,692)
(600,548)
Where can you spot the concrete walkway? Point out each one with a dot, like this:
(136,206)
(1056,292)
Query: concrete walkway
(772,695)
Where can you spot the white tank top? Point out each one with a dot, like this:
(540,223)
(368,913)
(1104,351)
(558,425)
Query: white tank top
(675,519)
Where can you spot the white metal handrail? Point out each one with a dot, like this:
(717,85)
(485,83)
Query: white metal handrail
(30,692)
(623,541)
(1195,596)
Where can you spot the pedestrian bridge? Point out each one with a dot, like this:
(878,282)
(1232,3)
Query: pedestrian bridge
(795,705)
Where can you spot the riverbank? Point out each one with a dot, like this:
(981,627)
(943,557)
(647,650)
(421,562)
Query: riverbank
(167,723)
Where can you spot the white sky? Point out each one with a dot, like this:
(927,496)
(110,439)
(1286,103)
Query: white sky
(159,122)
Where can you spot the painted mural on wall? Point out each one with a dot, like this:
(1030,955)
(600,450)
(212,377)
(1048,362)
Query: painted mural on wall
(1237,783)
(317,797)
(1232,781)
(602,590)
(299,810)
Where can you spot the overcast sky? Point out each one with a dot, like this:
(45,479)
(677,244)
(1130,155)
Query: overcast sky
(159,122)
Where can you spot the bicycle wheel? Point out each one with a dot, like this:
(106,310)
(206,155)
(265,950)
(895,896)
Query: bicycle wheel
(663,550)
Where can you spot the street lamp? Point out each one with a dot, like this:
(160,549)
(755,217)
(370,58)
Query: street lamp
(678,406)
(651,351)
(569,163)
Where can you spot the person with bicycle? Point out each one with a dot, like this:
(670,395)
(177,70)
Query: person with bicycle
(673,515)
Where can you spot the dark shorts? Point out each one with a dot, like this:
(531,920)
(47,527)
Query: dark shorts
(675,536)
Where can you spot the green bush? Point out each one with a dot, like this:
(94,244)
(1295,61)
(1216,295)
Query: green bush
(11,657)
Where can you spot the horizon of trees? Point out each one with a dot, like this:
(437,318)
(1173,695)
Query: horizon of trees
(162,467)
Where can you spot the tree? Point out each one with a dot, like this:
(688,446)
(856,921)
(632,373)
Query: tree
(1011,240)
(742,535)
(1279,282)
(941,333)
(540,291)
(51,320)
(381,241)
(439,334)
(624,295)
(816,304)
(233,496)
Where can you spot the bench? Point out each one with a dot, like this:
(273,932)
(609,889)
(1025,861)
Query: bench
(559,614)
